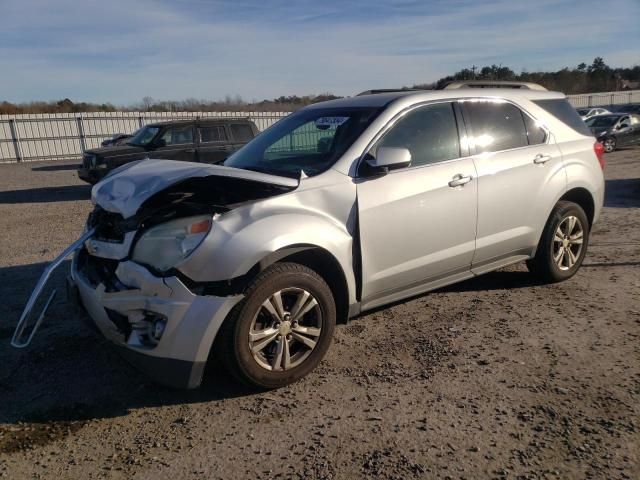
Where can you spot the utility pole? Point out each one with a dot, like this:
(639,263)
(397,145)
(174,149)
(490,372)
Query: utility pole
(473,69)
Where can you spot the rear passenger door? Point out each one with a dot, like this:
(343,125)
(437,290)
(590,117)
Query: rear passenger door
(176,143)
(214,144)
(520,173)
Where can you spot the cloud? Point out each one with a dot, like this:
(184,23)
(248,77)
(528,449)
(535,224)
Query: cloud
(120,51)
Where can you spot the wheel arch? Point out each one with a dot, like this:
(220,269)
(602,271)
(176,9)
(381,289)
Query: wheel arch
(583,197)
(322,262)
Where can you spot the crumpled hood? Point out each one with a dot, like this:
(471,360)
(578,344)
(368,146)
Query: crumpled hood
(128,187)
(597,131)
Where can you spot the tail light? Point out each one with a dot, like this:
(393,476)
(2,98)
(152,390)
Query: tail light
(599,149)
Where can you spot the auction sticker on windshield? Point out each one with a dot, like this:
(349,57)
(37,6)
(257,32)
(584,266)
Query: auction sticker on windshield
(326,122)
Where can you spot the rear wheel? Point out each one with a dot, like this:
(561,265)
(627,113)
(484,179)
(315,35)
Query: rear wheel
(281,330)
(609,145)
(563,244)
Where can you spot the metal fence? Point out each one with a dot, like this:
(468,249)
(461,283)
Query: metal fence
(28,138)
(604,98)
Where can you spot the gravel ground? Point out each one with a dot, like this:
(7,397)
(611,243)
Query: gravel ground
(496,377)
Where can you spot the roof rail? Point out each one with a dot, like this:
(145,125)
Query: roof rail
(389,90)
(492,84)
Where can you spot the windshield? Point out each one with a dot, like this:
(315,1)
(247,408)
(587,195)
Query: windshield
(143,136)
(583,111)
(309,140)
(603,121)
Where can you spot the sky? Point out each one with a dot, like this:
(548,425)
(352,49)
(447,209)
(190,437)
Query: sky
(120,51)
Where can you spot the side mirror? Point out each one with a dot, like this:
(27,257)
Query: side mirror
(388,158)
(161,142)
(623,126)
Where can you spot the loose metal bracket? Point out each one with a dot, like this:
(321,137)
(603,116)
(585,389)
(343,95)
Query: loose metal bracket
(17,341)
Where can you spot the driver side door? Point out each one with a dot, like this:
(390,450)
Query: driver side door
(176,143)
(623,132)
(418,224)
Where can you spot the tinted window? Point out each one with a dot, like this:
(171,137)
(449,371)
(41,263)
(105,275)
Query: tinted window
(535,133)
(144,135)
(178,135)
(241,133)
(430,133)
(495,126)
(213,133)
(563,111)
(603,121)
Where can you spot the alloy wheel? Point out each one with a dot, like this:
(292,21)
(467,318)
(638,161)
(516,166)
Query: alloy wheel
(609,145)
(567,242)
(285,330)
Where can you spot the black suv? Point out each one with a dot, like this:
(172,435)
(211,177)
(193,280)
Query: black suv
(197,140)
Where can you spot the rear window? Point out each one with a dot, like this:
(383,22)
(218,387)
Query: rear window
(563,111)
(241,132)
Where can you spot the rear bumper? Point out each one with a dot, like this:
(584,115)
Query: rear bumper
(192,321)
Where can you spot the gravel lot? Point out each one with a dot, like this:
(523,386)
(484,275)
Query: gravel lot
(496,377)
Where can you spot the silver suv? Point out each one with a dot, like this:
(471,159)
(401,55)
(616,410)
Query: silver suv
(339,208)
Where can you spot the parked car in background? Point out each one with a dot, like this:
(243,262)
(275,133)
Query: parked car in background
(587,113)
(616,130)
(198,140)
(340,208)
(117,139)
(628,108)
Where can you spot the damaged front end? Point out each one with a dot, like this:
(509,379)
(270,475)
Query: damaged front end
(147,218)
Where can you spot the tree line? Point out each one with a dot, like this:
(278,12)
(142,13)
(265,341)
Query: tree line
(596,77)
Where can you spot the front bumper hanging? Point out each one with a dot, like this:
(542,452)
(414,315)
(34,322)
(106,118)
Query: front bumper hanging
(18,340)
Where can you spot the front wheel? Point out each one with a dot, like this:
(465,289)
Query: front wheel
(609,145)
(563,244)
(281,330)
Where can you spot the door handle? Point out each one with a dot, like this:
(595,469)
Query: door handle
(459,180)
(541,159)
(190,150)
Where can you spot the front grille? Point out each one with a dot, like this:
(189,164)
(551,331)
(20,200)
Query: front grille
(100,270)
(86,161)
(109,226)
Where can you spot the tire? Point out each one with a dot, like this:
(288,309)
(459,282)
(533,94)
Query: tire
(553,262)
(258,315)
(609,144)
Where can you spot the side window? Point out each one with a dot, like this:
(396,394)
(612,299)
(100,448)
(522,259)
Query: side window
(535,133)
(430,133)
(178,135)
(212,133)
(495,126)
(241,132)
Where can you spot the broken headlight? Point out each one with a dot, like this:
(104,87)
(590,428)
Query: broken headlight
(164,245)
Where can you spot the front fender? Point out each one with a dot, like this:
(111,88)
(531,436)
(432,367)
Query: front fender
(243,238)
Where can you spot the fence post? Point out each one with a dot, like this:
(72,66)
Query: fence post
(15,139)
(83,146)
(140,121)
